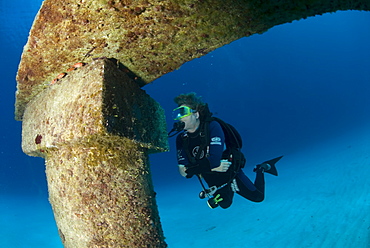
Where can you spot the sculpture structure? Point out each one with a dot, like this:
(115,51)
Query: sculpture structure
(93,123)
(95,128)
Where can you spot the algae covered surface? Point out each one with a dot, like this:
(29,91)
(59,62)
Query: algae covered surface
(102,195)
(96,127)
(150,38)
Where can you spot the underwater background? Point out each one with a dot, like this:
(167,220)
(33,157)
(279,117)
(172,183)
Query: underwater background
(301,90)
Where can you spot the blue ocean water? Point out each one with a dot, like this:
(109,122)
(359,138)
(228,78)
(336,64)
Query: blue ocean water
(295,90)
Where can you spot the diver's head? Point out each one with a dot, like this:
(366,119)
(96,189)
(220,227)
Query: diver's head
(191,100)
(188,111)
(187,116)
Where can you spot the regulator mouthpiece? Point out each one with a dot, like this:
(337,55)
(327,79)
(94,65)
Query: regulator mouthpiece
(177,127)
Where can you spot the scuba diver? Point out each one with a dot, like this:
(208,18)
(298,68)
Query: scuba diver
(201,143)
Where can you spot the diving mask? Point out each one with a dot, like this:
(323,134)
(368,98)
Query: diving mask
(181,112)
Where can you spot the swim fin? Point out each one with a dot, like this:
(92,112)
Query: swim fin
(272,163)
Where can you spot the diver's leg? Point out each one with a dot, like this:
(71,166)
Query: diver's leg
(259,182)
(253,192)
(222,197)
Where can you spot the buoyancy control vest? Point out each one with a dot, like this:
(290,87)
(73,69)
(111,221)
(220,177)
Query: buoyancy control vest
(233,142)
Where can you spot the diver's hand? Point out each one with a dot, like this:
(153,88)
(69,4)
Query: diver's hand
(224,166)
(202,166)
(182,170)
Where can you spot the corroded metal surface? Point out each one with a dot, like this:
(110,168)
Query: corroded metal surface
(149,37)
(102,195)
(95,100)
(95,127)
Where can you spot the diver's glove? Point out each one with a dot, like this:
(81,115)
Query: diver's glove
(201,167)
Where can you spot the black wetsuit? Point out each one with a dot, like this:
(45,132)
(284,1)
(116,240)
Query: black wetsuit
(188,144)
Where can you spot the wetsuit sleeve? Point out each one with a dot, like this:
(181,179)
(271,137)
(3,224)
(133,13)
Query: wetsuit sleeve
(216,145)
(181,154)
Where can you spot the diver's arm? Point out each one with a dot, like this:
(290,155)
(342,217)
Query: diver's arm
(181,157)
(216,148)
(224,166)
